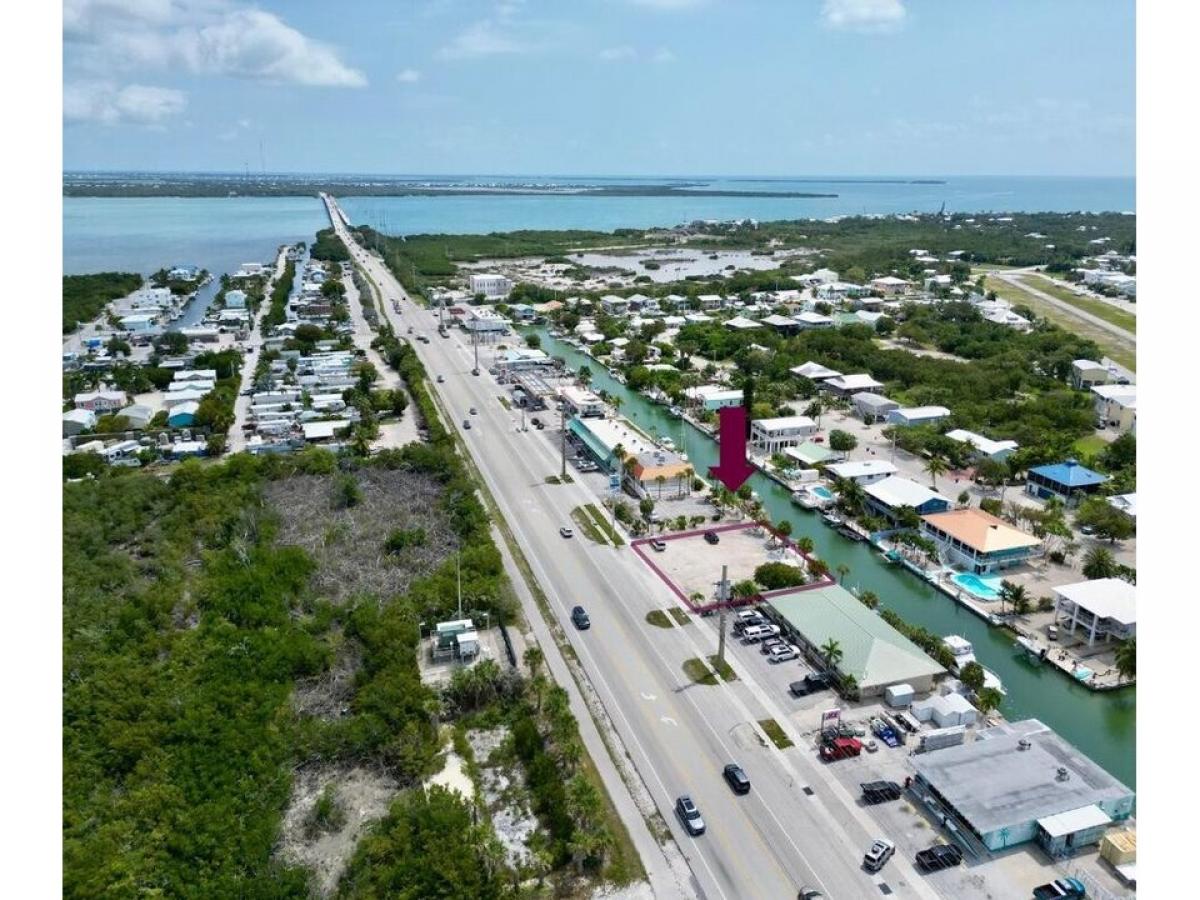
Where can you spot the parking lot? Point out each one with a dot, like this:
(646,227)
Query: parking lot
(691,565)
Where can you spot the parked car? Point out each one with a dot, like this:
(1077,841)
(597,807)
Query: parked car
(689,815)
(840,748)
(782,653)
(1060,889)
(880,791)
(939,856)
(876,857)
(799,689)
(756,633)
(441,379)
(770,644)
(536,422)
(580,617)
(807,893)
(467,424)
(737,778)
(817,681)
(712,537)
(658,546)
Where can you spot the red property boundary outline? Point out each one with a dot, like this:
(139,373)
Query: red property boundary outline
(638,546)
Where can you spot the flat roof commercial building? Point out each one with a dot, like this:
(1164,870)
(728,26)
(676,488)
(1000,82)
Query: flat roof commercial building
(873,652)
(773,435)
(873,406)
(491,285)
(1020,784)
(1105,608)
(978,541)
(581,403)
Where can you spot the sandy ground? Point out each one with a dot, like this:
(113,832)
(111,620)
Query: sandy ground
(362,795)
(454,777)
(694,565)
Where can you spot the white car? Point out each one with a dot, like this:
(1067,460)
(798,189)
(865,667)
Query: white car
(881,851)
(566,532)
(783,653)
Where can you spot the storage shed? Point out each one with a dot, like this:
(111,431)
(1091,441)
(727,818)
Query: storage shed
(899,695)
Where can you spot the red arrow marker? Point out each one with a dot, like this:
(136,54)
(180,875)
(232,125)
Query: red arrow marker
(733,469)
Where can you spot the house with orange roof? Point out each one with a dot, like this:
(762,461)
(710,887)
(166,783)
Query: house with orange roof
(979,542)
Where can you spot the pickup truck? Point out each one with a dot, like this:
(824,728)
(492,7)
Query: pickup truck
(1060,889)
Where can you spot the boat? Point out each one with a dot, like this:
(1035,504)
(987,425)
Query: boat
(892,557)
(1031,648)
(675,412)
(832,519)
(962,650)
(667,443)
(851,533)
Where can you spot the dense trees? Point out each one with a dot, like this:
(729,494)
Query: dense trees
(329,247)
(775,575)
(84,296)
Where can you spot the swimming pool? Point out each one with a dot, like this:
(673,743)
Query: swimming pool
(821,491)
(983,588)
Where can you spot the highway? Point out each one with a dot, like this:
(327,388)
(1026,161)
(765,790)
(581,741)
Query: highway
(797,826)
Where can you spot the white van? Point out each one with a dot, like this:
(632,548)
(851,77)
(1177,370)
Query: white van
(756,633)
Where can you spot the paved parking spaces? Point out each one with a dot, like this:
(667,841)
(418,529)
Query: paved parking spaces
(690,565)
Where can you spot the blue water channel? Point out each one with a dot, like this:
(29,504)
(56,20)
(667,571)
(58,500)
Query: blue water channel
(1100,724)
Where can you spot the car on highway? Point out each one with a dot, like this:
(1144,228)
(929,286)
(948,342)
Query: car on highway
(712,537)
(737,778)
(879,853)
(441,379)
(580,617)
(536,422)
(782,653)
(807,893)
(566,532)
(467,424)
(658,546)
(475,371)
(473,411)
(689,815)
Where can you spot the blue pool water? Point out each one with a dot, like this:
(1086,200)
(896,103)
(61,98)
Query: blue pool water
(983,588)
(821,491)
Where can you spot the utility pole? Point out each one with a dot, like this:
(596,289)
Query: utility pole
(475,341)
(458,578)
(562,430)
(722,598)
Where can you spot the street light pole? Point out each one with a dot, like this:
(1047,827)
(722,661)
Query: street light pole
(562,430)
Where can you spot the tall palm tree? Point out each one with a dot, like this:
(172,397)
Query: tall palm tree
(843,570)
(988,699)
(805,545)
(869,599)
(660,480)
(1126,659)
(1099,563)
(935,466)
(831,652)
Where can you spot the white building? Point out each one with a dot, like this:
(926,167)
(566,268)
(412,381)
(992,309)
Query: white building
(712,396)
(1104,608)
(1086,373)
(918,415)
(1116,405)
(138,322)
(491,285)
(75,421)
(863,471)
(235,299)
(808,320)
(484,320)
(889,285)
(773,435)
(984,447)
(815,371)
(101,401)
(581,403)
(846,385)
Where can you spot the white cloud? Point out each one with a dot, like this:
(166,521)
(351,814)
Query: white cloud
(664,55)
(614,54)
(210,37)
(111,105)
(408,76)
(864,15)
(480,40)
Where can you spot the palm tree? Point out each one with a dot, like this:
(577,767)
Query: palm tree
(1126,659)
(1099,563)
(805,545)
(988,699)
(616,403)
(935,466)
(660,480)
(831,652)
(818,568)
(843,570)
(1020,599)
(850,686)
(585,375)
(869,599)
(688,474)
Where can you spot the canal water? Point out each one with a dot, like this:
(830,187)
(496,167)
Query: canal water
(1100,724)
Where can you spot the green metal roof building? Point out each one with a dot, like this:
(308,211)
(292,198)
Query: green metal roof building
(811,454)
(874,652)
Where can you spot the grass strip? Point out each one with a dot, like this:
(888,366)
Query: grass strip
(658,619)
(1099,308)
(604,525)
(681,618)
(775,733)
(587,526)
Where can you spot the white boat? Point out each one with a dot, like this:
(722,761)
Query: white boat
(809,499)
(992,680)
(1031,648)
(667,443)
(961,648)
(676,412)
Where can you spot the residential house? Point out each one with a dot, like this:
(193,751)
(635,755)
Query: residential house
(891,494)
(1104,608)
(979,542)
(78,420)
(785,325)
(890,285)
(491,285)
(1116,405)
(138,415)
(1068,481)
(183,415)
(862,471)
(809,320)
(235,299)
(849,385)
(773,435)
(814,371)
(984,448)
(741,323)
(101,401)
(874,407)
(1087,373)
(712,396)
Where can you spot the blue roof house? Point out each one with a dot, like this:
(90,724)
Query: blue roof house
(1068,481)
(183,415)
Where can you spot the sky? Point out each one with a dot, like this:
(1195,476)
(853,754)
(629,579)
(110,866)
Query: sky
(601,87)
